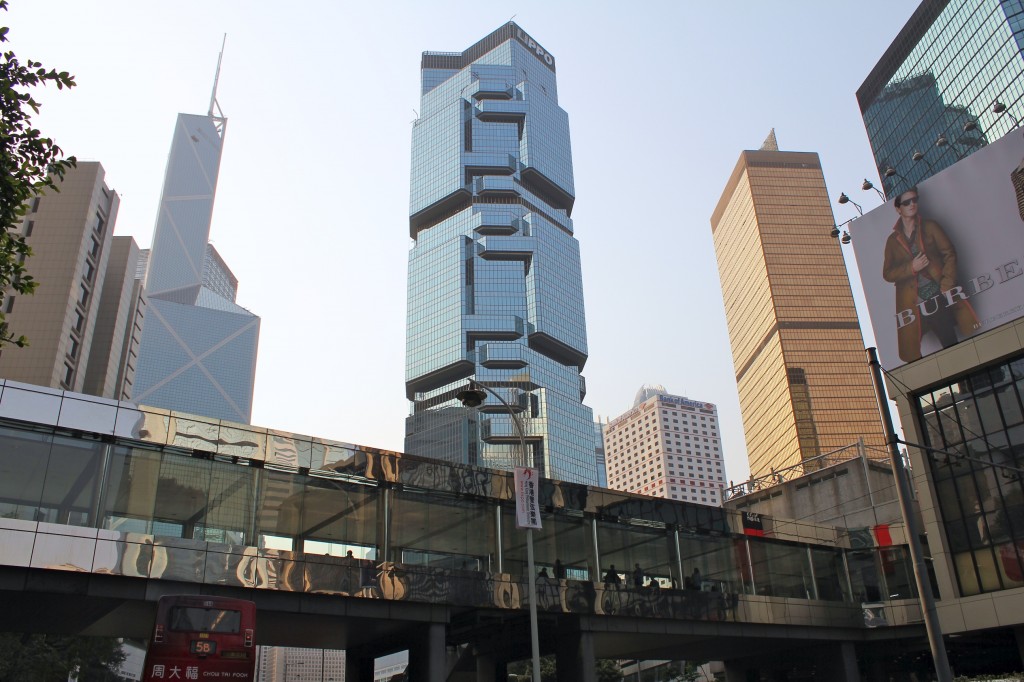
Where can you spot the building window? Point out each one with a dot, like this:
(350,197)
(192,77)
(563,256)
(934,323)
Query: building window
(982,415)
(9,304)
(28,227)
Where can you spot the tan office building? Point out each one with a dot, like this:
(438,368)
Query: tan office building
(797,348)
(84,318)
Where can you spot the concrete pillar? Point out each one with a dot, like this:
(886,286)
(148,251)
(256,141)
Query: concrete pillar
(736,672)
(1018,632)
(358,666)
(846,664)
(487,669)
(574,657)
(427,656)
(877,669)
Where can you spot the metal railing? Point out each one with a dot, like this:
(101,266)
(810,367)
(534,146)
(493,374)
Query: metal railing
(810,465)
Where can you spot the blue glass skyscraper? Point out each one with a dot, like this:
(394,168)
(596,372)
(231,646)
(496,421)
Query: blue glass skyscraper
(198,349)
(951,82)
(495,287)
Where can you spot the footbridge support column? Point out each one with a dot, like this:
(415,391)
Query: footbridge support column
(487,669)
(574,657)
(846,664)
(358,666)
(427,655)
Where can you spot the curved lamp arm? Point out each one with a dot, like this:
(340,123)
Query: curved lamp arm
(469,400)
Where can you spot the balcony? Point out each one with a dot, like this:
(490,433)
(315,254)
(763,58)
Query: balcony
(501,356)
(495,185)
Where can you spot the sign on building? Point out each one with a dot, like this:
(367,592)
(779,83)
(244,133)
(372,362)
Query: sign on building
(946,264)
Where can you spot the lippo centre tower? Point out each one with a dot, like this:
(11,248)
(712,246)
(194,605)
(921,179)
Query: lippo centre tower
(495,288)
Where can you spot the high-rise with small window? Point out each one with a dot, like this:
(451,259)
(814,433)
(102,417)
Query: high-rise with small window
(495,286)
(951,82)
(667,446)
(198,352)
(84,321)
(797,348)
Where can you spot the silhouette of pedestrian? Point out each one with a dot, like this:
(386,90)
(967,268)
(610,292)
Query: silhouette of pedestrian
(612,576)
(638,576)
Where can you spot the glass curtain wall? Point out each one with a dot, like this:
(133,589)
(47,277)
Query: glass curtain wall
(136,488)
(976,427)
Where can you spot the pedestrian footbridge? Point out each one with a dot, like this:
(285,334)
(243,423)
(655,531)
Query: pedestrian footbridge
(106,506)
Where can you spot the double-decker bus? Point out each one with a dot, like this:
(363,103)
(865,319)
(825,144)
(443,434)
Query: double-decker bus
(202,638)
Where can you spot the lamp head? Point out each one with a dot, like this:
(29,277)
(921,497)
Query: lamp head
(843,199)
(889,171)
(835,233)
(918,155)
(970,125)
(471,397)
(941,140)
(867,185)
(846,237)
(998,107)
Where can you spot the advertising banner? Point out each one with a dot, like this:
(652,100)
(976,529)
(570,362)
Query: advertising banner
(527,512)
(753,524)
(942,263)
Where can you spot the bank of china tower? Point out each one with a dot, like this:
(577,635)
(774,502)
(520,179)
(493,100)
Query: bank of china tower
(495,290)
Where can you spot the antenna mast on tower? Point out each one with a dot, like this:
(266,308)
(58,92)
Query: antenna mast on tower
(219,119)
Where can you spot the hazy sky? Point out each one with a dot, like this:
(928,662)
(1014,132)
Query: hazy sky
(312,204)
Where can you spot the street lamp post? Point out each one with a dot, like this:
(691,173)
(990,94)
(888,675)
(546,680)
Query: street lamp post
(474,397)
(903,494)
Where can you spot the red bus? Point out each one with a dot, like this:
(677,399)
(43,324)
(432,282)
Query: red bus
(202,638)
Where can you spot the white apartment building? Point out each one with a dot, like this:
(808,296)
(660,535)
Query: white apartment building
(666,446)
(295,664)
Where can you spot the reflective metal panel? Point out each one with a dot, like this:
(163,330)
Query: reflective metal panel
(155,426)
(342,576)
(237,441)
(336,456)
(118,557)
(129,423)
(97,415)
(193,432)
(16,547)
(289,572)
(287,449)
(177,563)
(31,403)
(442,476)
(72,531)
(18,524)
(231,568)
(63,552)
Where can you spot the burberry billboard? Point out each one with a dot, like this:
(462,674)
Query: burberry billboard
(943,261)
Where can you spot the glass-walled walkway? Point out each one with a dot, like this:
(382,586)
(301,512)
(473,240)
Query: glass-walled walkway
(167,495)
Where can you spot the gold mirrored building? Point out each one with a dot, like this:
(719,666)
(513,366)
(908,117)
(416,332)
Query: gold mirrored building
(797,348)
